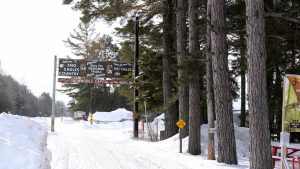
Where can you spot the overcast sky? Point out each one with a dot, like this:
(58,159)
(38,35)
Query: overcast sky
(31,33)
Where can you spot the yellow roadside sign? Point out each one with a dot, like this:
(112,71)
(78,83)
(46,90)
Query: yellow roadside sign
(181,123)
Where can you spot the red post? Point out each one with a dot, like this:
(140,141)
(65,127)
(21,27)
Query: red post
(143,124)
(274,153)
(274,150)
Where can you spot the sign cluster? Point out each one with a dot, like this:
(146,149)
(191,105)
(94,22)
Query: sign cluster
(88,71)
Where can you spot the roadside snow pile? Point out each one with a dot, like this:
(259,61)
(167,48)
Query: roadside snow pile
(242,137)
(114,116)
(23,143)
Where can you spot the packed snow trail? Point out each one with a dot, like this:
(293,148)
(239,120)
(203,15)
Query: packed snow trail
(78,145)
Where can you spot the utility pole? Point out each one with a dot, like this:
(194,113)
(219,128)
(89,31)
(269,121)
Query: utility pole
(136,73)
(53,95)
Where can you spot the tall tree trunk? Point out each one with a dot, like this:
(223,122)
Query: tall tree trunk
(194,146)
(168,40)
(275,100)
(272,72)
(243,98)
(260,152)
(210,90)
(242,61)
(271,96)
(243,68)
(183,88)
(223,102)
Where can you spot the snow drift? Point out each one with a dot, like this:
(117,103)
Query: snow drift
(23,143)
(242,137)
(114,116)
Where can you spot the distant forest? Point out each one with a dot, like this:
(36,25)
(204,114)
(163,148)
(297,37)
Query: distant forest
(16,98)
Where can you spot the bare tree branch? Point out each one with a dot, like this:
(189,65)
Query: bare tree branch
(277,37)
(281,16)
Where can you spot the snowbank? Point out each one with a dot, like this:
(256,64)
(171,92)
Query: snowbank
(23,143)
(114,116)
(242,137)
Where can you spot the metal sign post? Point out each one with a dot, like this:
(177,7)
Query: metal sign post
(283,137)
(53,96)
(181,124)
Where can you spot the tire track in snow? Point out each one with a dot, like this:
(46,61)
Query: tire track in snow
(76,146)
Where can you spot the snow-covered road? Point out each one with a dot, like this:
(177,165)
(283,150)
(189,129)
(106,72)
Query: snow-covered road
(78,145)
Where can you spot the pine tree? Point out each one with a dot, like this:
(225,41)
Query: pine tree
(171,111)
(237,46)
(88,44)
(45,104)
(104,49)
(4,101)
(183,88)
(80,40)
(194,146)
(149,82)
(260,143)
(209,88)
(223,106)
